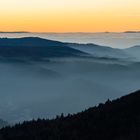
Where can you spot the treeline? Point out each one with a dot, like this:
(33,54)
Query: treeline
(115,120)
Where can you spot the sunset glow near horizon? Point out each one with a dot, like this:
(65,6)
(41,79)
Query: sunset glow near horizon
(69,15)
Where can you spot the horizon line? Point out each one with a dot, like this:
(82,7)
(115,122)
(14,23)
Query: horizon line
(129,31)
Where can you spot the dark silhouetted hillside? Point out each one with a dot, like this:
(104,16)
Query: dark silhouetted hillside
(114,120)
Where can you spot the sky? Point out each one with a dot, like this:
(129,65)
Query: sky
(69,15)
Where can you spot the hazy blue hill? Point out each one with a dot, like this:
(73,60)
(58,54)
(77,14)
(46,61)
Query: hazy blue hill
(115,120)
(99,51)
(38,48)
(134,51)
(35,48)
(31,41)
(134,48)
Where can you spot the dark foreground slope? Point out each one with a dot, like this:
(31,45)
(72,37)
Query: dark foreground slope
(114,120)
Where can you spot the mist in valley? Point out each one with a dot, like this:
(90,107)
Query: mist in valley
(44,89)
(41,78)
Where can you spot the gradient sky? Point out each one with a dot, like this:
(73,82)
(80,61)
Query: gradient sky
(69,15)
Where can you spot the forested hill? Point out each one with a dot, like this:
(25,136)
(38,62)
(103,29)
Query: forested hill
(114,120)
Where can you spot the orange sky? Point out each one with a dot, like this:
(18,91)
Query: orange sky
(69,15)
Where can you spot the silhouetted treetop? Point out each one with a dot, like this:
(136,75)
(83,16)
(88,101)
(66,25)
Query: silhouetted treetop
(115,120)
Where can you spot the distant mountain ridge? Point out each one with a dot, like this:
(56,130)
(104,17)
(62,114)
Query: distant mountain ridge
(14,32)
(132,32)
(115,120)
(35,48)
(99,51)
(38,48)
